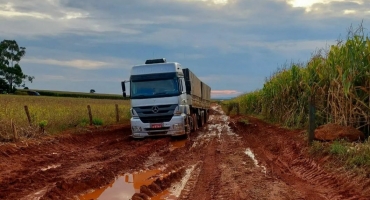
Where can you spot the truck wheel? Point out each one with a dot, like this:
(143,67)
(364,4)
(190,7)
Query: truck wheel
(191,123)
(195,122)
(200,120)
(187,126)
(205,117)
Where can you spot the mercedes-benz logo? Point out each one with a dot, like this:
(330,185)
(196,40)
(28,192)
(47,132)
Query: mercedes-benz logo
(155,109)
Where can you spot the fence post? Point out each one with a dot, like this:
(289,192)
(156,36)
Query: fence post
(14,131)
(311,116)
(28,115)
(90,115)
(117,113)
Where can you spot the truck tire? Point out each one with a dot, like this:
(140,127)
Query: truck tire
(191,124)
(205,117)
(187,126)
(195,122)
(200,120)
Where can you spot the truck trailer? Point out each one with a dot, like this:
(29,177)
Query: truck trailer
(166,99)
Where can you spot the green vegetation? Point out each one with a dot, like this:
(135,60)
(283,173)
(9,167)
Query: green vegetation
(97,121)
(11,73)
(54,114)
(336,80)
(338,148)
(71,94)
(351,155)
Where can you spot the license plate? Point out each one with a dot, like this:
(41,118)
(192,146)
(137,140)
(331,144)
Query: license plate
(156,126)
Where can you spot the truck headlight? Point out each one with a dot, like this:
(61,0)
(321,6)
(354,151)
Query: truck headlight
(136,129)
(178,127)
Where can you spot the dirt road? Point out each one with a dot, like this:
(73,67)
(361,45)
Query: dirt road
(227,159)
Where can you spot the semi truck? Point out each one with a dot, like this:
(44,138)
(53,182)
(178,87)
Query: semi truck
(166,99)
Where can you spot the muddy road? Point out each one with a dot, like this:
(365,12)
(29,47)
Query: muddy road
(226,159)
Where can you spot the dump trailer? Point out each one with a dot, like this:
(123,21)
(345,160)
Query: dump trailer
(166,99)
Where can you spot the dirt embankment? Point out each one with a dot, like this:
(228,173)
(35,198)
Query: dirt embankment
(227,159)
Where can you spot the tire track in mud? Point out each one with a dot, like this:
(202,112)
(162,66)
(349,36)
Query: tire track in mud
(286,154)
(61,166)
(227,171)
(226,159)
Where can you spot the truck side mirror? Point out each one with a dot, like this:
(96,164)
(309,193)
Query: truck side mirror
(123,89)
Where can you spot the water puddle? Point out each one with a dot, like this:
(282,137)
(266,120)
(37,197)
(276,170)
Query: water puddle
(127,185)
(251,155)
(177,144)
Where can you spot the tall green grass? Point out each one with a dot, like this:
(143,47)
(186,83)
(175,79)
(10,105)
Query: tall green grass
(337,80)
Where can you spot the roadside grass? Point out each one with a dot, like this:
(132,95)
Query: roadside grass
(348,154)
(55,114)
(70,94)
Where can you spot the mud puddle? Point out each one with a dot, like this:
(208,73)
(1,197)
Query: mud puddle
(175,144)
(249,153)
(124,187)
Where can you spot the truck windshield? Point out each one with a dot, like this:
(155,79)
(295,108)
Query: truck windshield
(154,88)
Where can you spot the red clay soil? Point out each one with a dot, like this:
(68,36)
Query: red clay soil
(226,159)
(330,132)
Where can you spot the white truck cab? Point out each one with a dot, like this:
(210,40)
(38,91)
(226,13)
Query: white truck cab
(162,100)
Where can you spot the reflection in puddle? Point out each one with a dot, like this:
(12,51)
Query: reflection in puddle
(177,144)
(127,185)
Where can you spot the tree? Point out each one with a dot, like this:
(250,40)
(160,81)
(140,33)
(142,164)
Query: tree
(10,70)
(92,91)
(3,85)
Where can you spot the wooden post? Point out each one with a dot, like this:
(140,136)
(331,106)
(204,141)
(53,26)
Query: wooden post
(117,113)
(311,116)
(90,115)
(28,115)
(14,131)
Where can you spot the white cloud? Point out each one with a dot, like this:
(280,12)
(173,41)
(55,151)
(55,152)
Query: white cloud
(11,14)
(225,92)
(50,18)
(230,39)
(309,3)
(346,12)
(217,2)
(79,64)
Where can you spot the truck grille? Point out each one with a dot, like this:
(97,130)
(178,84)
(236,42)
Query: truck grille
(156,119)
(158,129)
(156,113)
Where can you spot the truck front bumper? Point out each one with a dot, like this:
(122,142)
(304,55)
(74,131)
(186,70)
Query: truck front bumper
(175,127)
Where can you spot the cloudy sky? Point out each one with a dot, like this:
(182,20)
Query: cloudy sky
(232,45)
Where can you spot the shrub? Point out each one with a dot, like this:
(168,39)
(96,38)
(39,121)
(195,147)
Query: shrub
(338,148)
(97,121)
